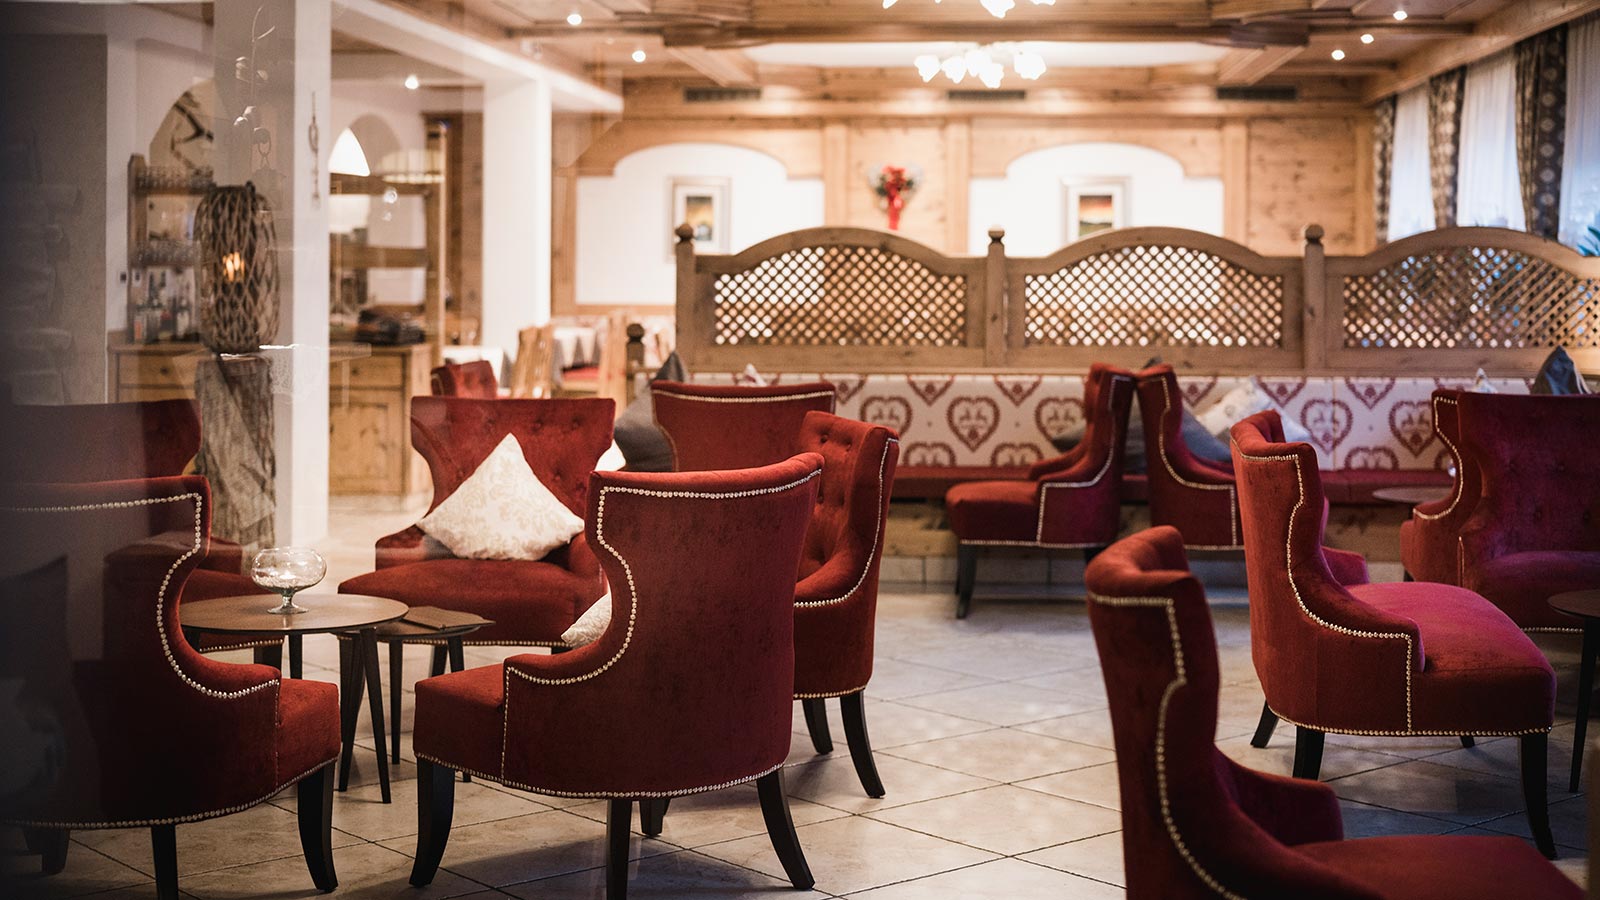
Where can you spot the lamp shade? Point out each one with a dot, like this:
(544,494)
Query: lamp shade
(238,270)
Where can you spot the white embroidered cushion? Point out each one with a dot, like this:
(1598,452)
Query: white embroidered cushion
(502,511)
(1242,402)
(590,625)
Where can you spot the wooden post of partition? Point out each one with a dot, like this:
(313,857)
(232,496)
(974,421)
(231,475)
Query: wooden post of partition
(693,318)
(995,321)
(1319,327)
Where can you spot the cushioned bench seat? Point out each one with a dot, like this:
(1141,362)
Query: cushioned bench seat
(1344,487)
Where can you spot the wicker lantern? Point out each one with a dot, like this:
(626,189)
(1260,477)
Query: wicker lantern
(238,270)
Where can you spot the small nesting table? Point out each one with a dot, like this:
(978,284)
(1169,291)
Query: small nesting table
(1412,496)
(1584,606)
(354,615)
(399,633)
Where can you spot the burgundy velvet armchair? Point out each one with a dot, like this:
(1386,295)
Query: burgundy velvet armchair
(1429,540)
(530,602)
(475,380)
(724,426)
(143,731)
(1391,659)
(1069,501)
(1196,497)
(836,600)
(1197,824)
(689,689)
(1535,531)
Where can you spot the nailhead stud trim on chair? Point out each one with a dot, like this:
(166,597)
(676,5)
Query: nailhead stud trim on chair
(1233,492)
(866,568)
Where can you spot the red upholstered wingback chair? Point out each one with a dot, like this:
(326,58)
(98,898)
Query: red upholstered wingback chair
(1535,531)
(1397,659)
(1429,548)
(531,602)
(724,426)
(474,379)
(131,726)
(836,601)
(1194,496)
(689,689)
(1072,500)
(1197,824)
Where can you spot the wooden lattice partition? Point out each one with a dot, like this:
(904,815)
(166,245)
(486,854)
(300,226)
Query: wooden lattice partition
(1196,299)
(1461,298)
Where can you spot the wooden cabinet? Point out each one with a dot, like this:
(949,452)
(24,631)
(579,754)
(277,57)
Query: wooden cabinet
(369,411)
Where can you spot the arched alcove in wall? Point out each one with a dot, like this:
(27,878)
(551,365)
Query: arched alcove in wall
(1036,201)
(625,219)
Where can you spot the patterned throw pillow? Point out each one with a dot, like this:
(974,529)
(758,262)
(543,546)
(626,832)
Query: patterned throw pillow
(590,625)
(502,511)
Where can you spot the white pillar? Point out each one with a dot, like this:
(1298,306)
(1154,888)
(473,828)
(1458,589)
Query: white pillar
(296,57)
(516,209)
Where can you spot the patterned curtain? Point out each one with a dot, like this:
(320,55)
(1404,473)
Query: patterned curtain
(1382,163)
(1542,126)
(1444,142)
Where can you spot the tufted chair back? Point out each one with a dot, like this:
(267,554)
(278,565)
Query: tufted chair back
(89,628)
(691,686)
(721,426)
(98,441)
(1541,487)
(1191,494)
(474,379)
(1428,538)
(561,439)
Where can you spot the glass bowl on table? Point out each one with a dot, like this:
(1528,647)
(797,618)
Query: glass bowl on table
(286,571)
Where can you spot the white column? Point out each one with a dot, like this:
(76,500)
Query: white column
(516,209)
(296,57)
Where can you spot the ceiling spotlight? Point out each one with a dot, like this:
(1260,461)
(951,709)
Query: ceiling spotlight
(574,19)
(638,56)
(412,82)
(1337,54)
(1366,39)
(1399,15)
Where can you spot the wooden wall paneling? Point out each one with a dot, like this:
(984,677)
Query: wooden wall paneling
(902,144)
(1235,181)
(956,176)
(835,173)
(1197,145)
(797,145)
(1365,233)
(1301,171)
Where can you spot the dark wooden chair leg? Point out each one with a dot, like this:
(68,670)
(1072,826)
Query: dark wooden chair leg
(652,814)
(1534,750)
(457,654)
(349,705)
(1580,722)
(817,724)
(51,845)
(397,671)
(780,828)
(966,578)
(436,801)
(296,656)
(1265,727)
(1089,553)
(439,651)
(855,734)
(314,808)
(164,847)
(1307,753)
(368,640)
(1468,742)
(619,822)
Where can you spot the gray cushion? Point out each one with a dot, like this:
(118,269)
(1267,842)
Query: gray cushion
(642,443)
(1558,375)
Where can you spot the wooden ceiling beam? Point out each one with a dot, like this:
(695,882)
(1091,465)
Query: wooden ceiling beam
(1250,66)
(725,67)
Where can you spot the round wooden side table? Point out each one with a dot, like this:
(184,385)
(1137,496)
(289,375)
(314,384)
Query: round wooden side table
(356,615)
(445,640)
(1412,496)
(1585,607)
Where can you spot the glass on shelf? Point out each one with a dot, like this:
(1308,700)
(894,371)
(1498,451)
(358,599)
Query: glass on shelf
(286,571)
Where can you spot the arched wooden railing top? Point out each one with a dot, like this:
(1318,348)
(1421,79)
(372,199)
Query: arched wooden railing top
(1153,236)
(829,236)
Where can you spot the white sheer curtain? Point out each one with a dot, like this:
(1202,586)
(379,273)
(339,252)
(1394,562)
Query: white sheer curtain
(1410,190)
(1488,193)
(1580,167)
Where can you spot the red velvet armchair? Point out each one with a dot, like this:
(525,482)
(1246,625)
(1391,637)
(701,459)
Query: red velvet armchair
(1429,540)
(475,380)
(1534,531)
(836,601)
(1197,824)
(1194,496)
(1394,659)
(690,688)
(141,730)
(1069,501)
(530,602)
(722,426)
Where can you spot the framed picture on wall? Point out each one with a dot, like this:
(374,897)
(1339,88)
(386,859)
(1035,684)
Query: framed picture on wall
(1096,205)
(703,203)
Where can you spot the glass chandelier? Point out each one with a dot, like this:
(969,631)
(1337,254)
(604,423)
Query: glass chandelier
(996,8)
(982,62)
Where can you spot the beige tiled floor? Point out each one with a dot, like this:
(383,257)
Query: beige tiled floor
(992,738)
